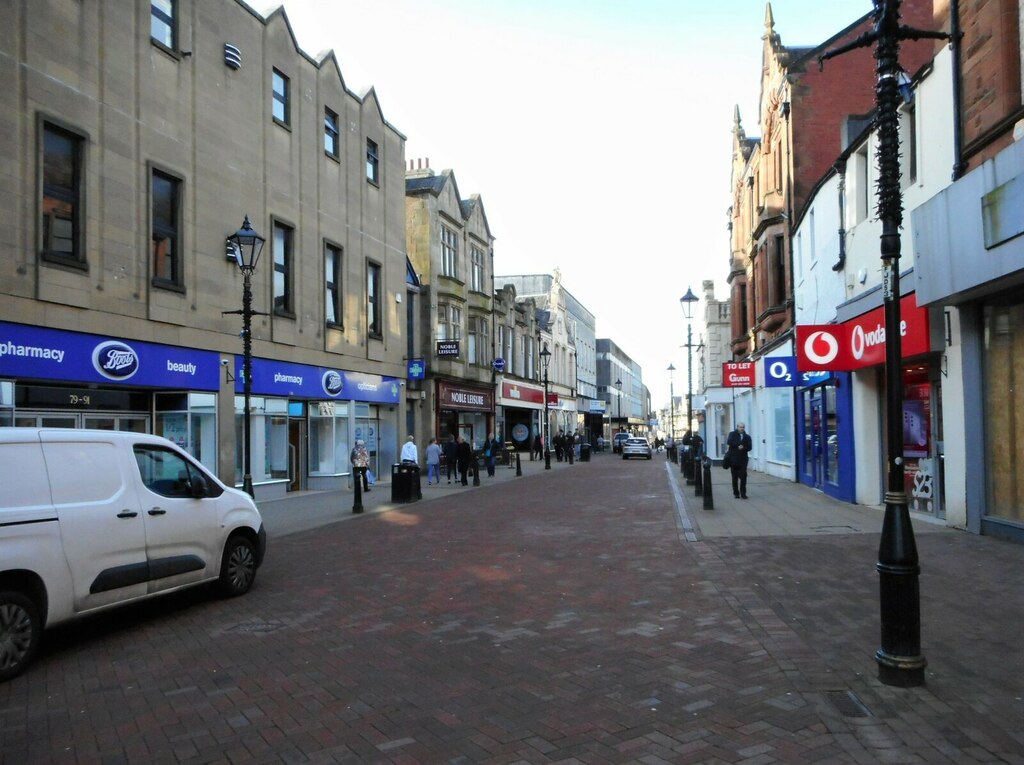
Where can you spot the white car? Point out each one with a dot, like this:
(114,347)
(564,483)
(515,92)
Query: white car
(91,519)
(636,447)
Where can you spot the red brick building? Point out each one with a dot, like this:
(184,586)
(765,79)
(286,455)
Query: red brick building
(802,111)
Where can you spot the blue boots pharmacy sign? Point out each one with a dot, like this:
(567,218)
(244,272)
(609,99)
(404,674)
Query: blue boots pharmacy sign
(38,353)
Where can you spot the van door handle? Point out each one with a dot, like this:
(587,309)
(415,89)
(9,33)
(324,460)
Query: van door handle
(157,511)
(127,514)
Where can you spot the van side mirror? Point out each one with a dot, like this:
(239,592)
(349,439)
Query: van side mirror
(198,486)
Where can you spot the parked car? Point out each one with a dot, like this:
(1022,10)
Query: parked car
(636,447)
(92,519)
(617,441)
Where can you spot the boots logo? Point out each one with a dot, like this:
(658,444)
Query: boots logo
(115,361)
(821,347)
(331,382)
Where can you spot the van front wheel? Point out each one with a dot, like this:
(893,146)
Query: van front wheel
(20,627)
(238,568)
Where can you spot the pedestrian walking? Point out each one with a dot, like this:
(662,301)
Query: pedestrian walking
(491,453)
(451,456)
(360,459)
(538,447)
(464,456)
(410,454)
(737,455)
(433,462)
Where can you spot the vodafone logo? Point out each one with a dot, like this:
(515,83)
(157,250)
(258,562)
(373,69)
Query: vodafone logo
(821,347)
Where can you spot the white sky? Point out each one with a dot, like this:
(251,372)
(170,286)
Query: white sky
(598,133)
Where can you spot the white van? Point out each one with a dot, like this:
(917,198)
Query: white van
(90,519)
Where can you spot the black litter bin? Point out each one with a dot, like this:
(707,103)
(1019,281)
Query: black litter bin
(405,483)
(584,452)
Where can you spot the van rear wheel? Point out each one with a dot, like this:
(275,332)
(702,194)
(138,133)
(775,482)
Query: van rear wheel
(20,628)
(238,568)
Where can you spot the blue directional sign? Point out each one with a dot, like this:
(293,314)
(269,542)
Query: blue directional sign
(781,372)
(499,364)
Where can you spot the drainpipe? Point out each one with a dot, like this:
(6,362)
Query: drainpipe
(955,38)
(840,167)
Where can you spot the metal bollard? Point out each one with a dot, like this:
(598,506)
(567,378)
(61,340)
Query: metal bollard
(476,473)
(519,465)
(357,497)
(698,477)
(709,500)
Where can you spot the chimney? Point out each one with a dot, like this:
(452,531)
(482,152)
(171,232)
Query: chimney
(419,168)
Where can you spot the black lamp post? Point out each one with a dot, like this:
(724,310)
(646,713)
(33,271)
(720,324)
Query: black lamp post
(545,359)
(671,404)
(687,302)
(900,661)
(671,412)
(247,245)
(618,384)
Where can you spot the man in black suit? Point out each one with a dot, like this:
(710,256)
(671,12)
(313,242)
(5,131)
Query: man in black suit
(739,444)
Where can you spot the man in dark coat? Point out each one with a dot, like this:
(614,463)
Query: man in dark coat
(450,451)
(739,444)
(464,455)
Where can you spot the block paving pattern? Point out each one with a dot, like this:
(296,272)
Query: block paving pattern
(560,618)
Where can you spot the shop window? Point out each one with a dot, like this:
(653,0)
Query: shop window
(1003,369)
(6,403)
(269,426)
(782,416)
(190,421)
(328,438)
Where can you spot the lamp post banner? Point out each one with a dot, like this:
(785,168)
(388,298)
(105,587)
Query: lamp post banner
(739,374)
(860,342)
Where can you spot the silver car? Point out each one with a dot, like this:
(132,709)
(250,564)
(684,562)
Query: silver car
(636,447)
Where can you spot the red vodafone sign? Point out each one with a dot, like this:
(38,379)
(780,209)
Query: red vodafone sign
(739,374)
(860,342)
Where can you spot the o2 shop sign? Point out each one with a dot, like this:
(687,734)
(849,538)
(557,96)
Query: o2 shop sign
(860,342)
(739,374)
(782,372)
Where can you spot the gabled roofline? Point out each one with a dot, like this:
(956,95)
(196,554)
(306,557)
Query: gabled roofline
(319,62)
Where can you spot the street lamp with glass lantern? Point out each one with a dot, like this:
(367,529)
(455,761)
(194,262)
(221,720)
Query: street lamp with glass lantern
(900,660)
(688,301)
(246,246)
(545,359)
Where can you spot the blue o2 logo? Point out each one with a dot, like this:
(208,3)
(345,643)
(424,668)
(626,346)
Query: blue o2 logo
(331,382)
(115,360)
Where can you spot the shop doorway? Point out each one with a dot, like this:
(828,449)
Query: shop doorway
(296,455)
(817,440)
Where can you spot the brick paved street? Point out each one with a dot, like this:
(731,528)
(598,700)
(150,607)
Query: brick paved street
(558,617)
